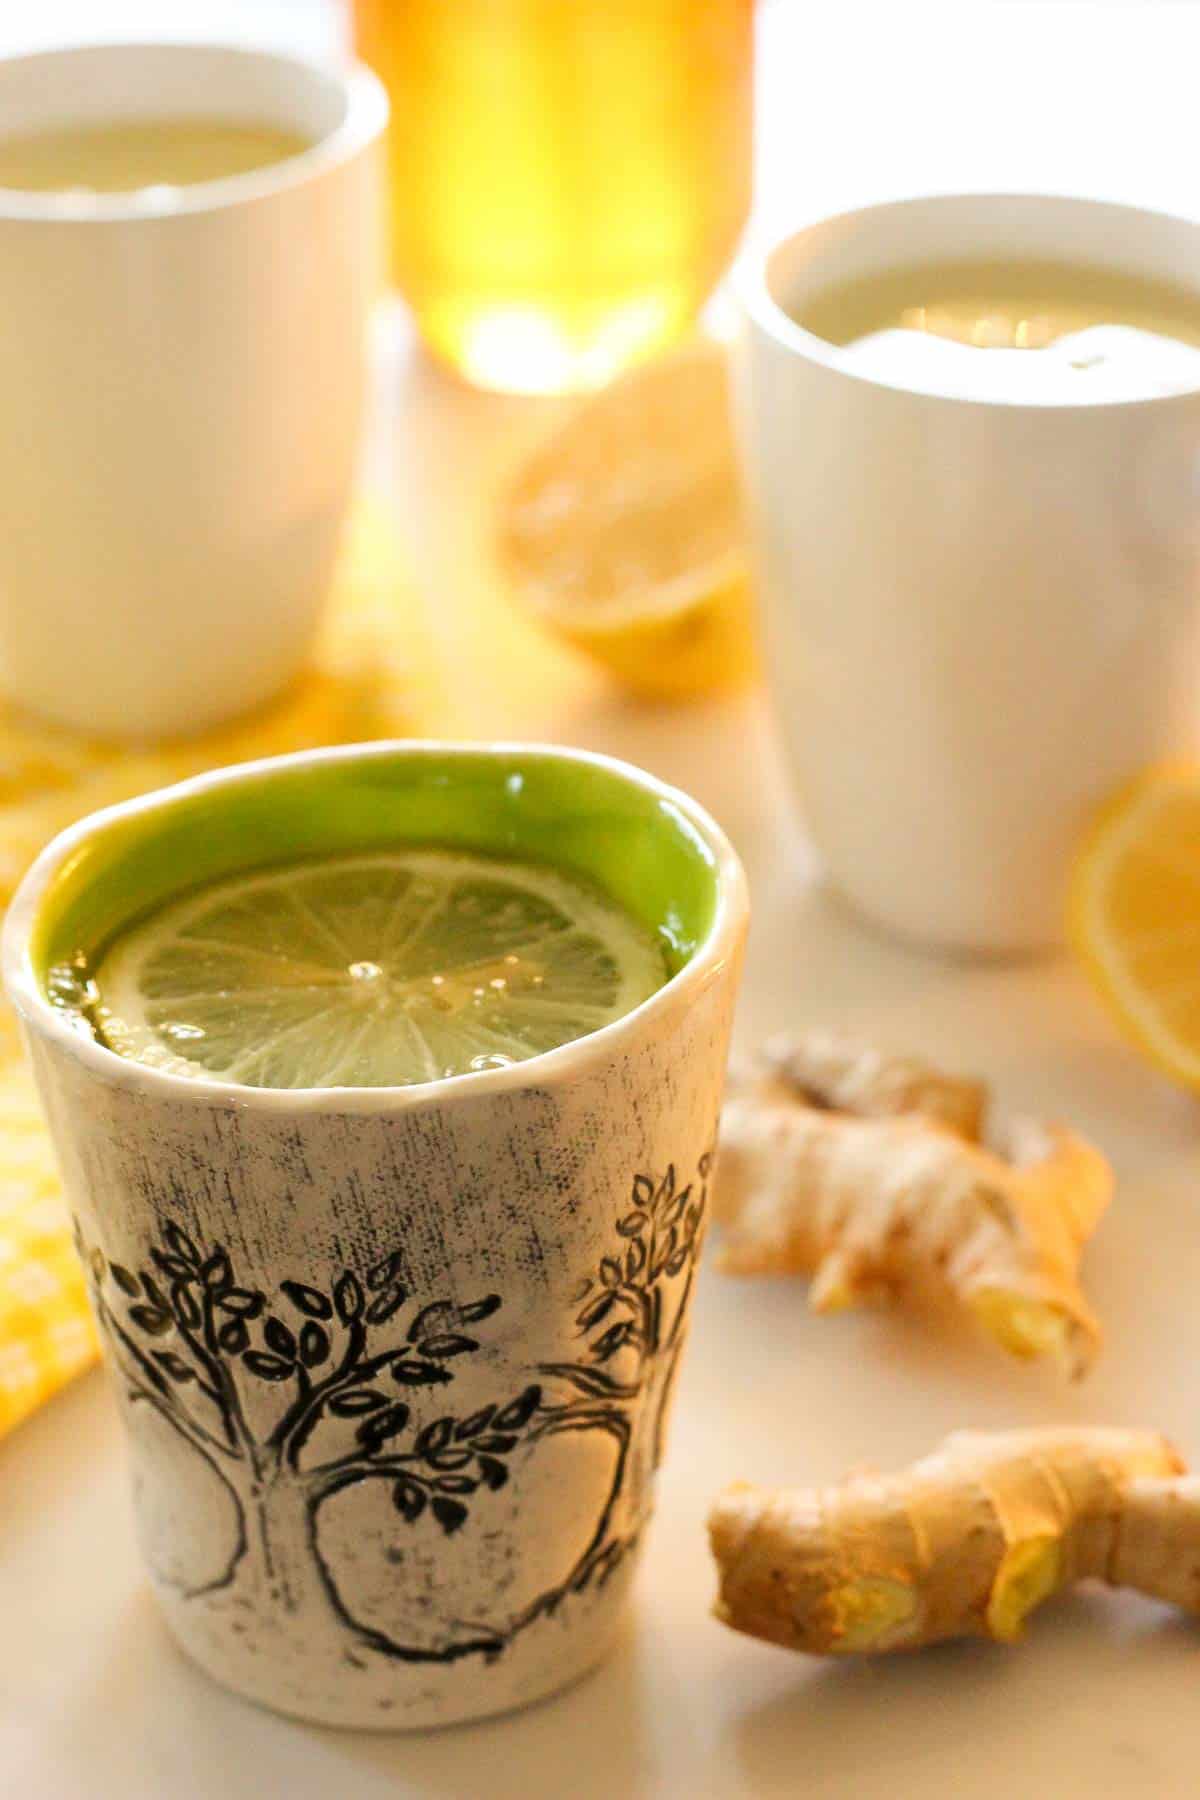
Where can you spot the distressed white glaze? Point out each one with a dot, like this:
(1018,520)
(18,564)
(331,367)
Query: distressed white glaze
(294,1541)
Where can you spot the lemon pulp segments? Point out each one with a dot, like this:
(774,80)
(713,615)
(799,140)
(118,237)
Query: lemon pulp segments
(624,532)
(375,970)
(1135,915)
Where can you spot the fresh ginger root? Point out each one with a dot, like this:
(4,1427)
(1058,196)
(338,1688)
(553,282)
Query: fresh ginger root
(867,1172)
(965,1543)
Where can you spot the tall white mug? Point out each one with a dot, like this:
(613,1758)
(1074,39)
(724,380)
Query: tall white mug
(981,615)
(182,374)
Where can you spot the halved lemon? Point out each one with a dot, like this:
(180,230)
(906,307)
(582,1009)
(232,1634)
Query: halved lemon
(1134,915)
(624,533)
(374,970)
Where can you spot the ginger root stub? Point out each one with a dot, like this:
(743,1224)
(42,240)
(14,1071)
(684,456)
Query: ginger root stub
(965,1543)
(867,1172)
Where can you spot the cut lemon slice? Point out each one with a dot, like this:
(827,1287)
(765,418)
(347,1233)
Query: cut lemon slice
(1135,915)
(372,971)
(624,532)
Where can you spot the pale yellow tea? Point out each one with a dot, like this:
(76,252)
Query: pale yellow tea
(123,156)
(1001,304)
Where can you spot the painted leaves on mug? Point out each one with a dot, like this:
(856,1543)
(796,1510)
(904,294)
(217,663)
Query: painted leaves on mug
(624,1301)
(320,1344)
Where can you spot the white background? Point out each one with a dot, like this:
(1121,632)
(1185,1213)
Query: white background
(1104,1699)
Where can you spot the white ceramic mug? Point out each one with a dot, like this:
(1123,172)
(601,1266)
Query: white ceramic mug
(182,391)
(981,616)
(395,1364)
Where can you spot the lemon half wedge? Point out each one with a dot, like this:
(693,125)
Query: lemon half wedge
(1134,915)
(624,533)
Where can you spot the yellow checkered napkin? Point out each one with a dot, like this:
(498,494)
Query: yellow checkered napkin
(371,676)
(46,1333)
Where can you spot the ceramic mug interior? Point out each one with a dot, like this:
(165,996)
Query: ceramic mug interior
(648,847)
(338,112)
(872,240)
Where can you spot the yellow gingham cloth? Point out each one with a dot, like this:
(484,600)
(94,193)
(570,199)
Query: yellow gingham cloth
(371,676)
(46,1332)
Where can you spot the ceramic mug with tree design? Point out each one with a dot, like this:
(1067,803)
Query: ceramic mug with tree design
(395,1363)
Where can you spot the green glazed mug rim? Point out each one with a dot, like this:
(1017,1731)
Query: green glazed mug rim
(702,961)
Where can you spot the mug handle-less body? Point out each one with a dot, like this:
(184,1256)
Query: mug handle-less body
(981,618)
(183,399)
(395,1364)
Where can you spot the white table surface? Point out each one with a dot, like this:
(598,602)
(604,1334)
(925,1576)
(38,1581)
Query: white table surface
(95,1703)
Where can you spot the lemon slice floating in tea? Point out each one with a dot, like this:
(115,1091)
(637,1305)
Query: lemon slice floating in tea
(373,970)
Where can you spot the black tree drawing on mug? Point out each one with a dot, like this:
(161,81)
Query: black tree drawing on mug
(206,1355)
(632,1317)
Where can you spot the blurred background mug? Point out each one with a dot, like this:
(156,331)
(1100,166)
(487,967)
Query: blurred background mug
(982,615)
(183,373)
